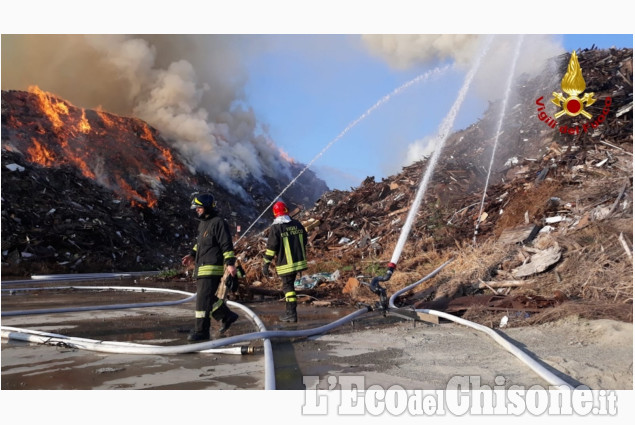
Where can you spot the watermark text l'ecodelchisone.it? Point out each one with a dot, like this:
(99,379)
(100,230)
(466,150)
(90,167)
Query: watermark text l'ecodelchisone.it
(463,395)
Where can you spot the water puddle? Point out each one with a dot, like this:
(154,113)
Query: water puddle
(38,366)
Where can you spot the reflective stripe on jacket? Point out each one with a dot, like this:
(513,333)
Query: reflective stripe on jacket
(214,247)
(287,242)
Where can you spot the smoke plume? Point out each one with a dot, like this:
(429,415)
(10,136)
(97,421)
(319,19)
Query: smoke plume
(188,87)
(405,51)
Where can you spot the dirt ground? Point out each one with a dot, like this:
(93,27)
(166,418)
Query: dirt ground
(598,354)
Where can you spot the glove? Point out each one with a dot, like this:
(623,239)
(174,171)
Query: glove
(232,283)
(240,272)
(265,269)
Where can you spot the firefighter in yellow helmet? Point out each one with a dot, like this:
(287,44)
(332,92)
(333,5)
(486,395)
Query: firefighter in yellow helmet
(214,250)
(287,241)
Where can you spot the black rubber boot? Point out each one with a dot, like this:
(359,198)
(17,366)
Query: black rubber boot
(227,321)
(198,336)
(291,314)
(223,314)
(201,330)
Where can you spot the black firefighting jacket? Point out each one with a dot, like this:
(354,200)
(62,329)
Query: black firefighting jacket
(288,242)
(214,247)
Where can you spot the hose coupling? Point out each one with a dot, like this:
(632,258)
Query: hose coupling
(246,349)
(380,290)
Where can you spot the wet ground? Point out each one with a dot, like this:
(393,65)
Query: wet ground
(27,365)
(384,350)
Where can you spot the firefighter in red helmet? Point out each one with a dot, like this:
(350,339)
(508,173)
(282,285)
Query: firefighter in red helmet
(214,250)
(287,242)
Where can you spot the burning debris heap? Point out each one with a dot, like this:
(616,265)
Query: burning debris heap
(84,191)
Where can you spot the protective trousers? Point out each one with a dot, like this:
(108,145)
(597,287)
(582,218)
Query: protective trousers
(291,301)
(208,304)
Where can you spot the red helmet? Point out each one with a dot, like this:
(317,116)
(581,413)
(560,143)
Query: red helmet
(280,208)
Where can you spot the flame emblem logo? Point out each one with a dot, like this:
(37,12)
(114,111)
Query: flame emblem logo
(573,84)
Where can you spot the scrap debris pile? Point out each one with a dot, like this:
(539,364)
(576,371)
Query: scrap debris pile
(555,225)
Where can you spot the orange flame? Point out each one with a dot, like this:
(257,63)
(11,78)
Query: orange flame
(104,117)
(84,126)
(78,161)
(52,108)
(89,143)
(134,196)
(286,156)
(39,154)
(168,169)
(14,122)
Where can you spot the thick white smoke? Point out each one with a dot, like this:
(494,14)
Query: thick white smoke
(405,51)
(188,87)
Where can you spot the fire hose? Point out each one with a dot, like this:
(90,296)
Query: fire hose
(384,306)
(390,306)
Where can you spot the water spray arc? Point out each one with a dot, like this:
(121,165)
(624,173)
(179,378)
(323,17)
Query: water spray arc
(421,78)
(444,131)
(510,79)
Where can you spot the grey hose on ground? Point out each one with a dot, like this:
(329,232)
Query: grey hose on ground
(133,348)
(49,338)
(524,357)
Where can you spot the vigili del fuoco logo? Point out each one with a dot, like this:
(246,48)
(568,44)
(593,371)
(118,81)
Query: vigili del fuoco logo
(573,85)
